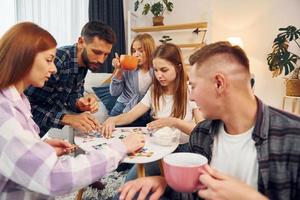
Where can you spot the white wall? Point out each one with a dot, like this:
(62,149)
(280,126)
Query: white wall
(8,16)
(255,21)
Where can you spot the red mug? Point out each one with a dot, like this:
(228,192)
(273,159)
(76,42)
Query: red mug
(128,62)
(182,171)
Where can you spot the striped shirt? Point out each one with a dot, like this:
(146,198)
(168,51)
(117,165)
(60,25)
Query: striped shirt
(277,140)
(60,92)
(30,168)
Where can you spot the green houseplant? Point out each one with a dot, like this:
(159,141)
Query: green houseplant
(157,8)
(282,60)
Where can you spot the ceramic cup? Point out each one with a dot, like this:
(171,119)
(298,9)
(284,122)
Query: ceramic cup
(182,172)
(128,62)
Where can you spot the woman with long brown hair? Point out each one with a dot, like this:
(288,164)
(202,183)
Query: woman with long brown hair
(30,167)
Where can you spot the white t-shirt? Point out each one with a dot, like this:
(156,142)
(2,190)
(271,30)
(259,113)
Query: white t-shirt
(145,80)
(236,155)
(165,105)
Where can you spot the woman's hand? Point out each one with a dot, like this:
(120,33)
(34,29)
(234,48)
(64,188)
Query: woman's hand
(61,147)
(108,127)
(162,122)
(116,62)
(134,142)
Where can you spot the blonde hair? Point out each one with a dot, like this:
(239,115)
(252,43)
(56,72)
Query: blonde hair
(148,45)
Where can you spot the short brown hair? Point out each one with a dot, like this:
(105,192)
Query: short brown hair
(234,52)
(100,30)
(18,49)
(148,45)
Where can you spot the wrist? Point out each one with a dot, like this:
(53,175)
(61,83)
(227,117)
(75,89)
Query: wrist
(65,119)
(174,122)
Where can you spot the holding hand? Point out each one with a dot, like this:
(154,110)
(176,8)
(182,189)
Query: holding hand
(154,184)
(88,103)
(116,61)
(83,122)
(162,122)
(61,147)
(223,187)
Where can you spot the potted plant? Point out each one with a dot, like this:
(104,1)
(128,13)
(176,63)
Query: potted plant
(157,8)
(282,59)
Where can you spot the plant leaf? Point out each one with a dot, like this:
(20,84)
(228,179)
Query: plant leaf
(136,5)
(146,9)
(170,6)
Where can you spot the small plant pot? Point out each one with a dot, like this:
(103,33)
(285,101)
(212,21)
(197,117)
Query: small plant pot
(158,21)
(292,87)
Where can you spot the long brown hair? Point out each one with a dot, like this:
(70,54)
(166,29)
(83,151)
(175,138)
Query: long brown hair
(148,45)
(172,53)
(18,49)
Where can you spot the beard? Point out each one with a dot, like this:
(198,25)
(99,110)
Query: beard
(93,66)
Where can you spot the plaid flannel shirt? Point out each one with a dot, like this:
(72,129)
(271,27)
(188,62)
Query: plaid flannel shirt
(277,141)
(60,92)
(29,167)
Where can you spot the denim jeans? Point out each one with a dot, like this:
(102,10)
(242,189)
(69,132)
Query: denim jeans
(117,109)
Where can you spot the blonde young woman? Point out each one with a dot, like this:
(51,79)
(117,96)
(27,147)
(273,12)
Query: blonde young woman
(133,85)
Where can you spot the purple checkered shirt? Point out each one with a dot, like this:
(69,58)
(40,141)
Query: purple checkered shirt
(29,167)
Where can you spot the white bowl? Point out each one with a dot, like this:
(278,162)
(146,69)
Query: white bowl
(165,137)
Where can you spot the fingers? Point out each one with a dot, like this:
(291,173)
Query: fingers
(208,181)
(157,194)
(155,125)
(88,103)
(85,123)
(128,190)
(134,142)
(83,101)
(205,194)
(214,173)
(65,144)
(116,61)
(144,192)
(107,130)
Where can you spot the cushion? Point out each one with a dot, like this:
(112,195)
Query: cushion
(104,95)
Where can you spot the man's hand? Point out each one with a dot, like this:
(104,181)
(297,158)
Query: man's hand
(223,187)
(83,122)
(61,147)
(154,184)
(87,103)
(161,122)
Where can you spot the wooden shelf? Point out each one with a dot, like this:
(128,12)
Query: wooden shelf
(201,25)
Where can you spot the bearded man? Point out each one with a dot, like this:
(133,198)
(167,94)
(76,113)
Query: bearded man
(63,92)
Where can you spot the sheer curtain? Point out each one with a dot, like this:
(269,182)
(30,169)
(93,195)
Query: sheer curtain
(62,18)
